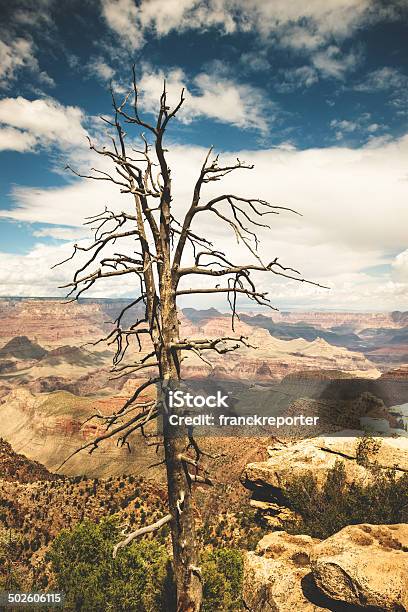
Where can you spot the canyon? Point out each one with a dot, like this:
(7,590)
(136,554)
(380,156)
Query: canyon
(343,367)
(53,377)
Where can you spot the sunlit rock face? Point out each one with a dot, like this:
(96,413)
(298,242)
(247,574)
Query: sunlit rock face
(360,567)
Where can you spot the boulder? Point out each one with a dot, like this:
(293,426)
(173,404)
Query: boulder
(364,566)
(319,455)
(273,573)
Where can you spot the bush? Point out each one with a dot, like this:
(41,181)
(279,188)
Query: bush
(222,571)
(327,509)
(136,581)
(140,578)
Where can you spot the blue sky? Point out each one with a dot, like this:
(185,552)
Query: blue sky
(315,92)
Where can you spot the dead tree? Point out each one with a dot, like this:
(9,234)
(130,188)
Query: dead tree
(158,267)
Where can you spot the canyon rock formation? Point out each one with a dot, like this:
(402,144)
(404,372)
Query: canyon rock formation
(362,567)
(287,461)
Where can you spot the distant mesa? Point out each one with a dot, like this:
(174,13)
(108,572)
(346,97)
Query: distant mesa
(73,355)
(317,374)
(196,316)
(396,374)
(300,329)
(22,347)
(400,317)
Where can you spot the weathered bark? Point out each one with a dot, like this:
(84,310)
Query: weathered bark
(185,555)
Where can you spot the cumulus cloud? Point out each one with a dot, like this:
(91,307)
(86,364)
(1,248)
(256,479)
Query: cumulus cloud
(308,29)
(300,24)
(99,68)
(303,27)
(360,126)
(391,82)
(329,62)
(26,124)
(16,54)
(122,16)
(343,194)
(208,95)
(18,50)
(36,277)
(16,140)
(400,266)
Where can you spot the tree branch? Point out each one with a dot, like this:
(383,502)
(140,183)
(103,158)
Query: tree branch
(135,534)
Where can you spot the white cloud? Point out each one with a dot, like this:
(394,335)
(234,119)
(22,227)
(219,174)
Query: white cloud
(31,123)
(337,17)
(16,55)
(301,38)
(360,126)
(36,277)
(384,78)
(34,13)
(255,60)
(344,125)
(212,94)
(392,82)
(122,17)
(13,56)
(400,266)
(61,233)
(208,95)
(16,140)
(66,205)
(99,68)
(294,78)
(298,25)
(314,30)
(331,62)
(354,210)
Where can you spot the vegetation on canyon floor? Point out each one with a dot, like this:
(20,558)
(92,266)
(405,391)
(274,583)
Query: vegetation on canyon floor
(139,579)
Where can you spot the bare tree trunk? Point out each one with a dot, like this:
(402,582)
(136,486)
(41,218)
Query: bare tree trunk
(185,555)
(185,551)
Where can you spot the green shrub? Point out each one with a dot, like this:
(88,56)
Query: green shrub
(137,580)
(327,509)
(366,450)
(222,571)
